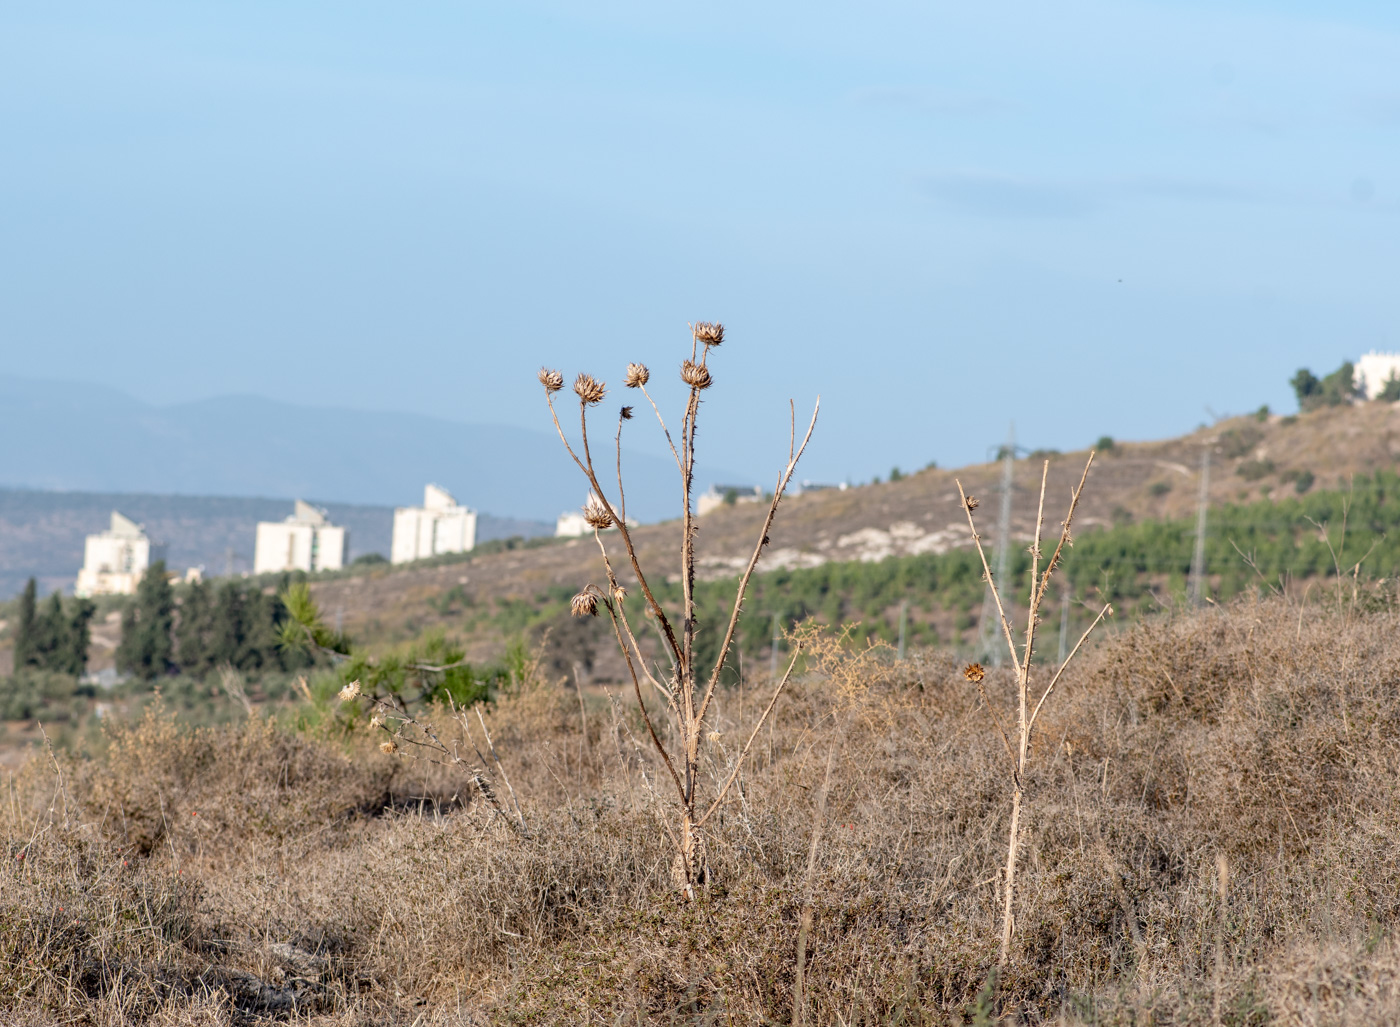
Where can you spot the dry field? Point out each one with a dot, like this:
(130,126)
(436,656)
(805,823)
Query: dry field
(1211,839)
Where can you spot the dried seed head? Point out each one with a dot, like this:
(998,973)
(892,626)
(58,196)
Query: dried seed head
(589,389)
(697,376)
(714,736)
(626,414)
(350,691)
(552,381)
(974,672)
(375,721)
(972,502)
(637,376)
(709,334)
(596,514)
(619,593)
(389,748)
(585,604)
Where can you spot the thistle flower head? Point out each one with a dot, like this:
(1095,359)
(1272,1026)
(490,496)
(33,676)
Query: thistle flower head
(350,691)
(552,381)
(972,502)
(626,413)
(697,376)
(585,604)
(389,748)
(595,513)
(974,672)
(375,720)
(590,390)
(637,376)
(619,593)
(709,334)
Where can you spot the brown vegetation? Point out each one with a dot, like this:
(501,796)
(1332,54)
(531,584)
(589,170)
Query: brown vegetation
(1210,838)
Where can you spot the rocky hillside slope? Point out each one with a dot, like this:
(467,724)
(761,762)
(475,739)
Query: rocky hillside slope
(1251,458)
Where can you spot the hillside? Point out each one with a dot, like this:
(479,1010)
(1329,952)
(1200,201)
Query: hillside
(1253,460)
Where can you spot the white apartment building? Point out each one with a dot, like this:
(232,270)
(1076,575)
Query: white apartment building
(571,525)
(1373,370)
(305,541)
(438,526)
(114,560)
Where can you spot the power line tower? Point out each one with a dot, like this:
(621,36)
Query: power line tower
(987,645)
(1198,557)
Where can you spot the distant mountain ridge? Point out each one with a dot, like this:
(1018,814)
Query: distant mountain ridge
(79,437)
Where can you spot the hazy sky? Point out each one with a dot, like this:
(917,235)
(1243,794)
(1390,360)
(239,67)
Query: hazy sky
(1091,217)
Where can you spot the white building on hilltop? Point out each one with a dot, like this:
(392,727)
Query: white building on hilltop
(719,495)
(438,526)
(571,525)
(305,541)
(115,560)
(1373,370)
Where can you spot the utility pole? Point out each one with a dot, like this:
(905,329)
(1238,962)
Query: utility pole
(903,617)
(1198,558)
(228,562)
(987,644)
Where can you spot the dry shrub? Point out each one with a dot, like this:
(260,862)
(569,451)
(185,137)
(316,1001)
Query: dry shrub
(1264,734)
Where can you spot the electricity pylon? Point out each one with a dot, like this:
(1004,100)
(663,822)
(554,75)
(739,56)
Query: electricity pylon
(1198,557)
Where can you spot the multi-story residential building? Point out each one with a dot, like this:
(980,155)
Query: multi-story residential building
(438,526)
(114,560)
(305,541)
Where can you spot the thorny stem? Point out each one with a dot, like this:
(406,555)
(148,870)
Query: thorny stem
(987,573)
(637,689)
(783,481)
(668,634)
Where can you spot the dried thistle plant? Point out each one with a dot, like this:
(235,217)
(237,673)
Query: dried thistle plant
(417,738)
(1026,715)
(688,690)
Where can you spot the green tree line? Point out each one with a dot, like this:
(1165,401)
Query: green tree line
(229,622)
(54,636)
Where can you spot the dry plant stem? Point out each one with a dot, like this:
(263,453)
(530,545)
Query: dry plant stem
(686,707)
(1021,660)
(799,998)
(739,763)
(491,747)
(450,758)
(668,635)
(784,480)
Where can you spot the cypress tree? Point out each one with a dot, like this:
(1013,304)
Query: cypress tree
(146,647)
(49,634)
(227,631)
(24,626)
(78,636)
(192,637)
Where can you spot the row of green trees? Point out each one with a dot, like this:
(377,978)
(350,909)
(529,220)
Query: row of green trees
(54,636)
(231,622)
(1137,565)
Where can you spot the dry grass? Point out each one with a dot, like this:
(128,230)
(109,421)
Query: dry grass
(320,886)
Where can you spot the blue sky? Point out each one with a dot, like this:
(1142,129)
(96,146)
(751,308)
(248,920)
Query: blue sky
(1089,217)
